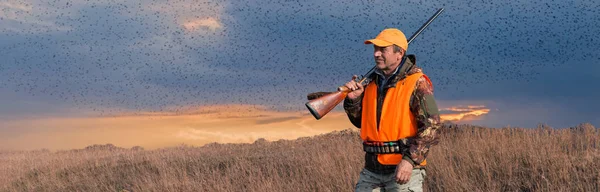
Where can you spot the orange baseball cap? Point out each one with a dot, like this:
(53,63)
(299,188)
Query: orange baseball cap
(390,36)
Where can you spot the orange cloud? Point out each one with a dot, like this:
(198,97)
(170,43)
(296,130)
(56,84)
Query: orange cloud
(211,111)
(191,126)
(27,21)
(15,5)
(192,15)
(463,113)
(206,23)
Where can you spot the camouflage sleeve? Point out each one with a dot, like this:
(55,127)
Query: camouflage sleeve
(424,107)
(353,109)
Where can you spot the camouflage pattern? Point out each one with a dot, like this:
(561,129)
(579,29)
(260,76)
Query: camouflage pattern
(423,106)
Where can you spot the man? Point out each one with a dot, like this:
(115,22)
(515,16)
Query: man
(397,115)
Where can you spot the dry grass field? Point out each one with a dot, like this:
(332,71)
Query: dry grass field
(468,158)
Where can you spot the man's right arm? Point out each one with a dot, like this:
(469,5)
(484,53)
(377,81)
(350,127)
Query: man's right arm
(353,108)
(353,102)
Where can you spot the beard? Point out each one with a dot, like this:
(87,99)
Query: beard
(382,65)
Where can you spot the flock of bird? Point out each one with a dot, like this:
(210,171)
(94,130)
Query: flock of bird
(111,55)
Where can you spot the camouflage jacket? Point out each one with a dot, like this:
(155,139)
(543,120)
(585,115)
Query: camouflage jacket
(422,105)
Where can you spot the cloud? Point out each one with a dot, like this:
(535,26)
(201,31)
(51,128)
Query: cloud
(99,49)
(210,111)
(270,126)
(197,125)
(193,16)
(463,113)
(20,17)
(207,23)
(15,6)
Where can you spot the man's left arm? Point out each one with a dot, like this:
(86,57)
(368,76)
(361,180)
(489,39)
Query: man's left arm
(427,115)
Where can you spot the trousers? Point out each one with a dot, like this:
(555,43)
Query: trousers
(372,182)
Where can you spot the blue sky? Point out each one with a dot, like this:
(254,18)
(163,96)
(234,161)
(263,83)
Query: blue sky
(528,62)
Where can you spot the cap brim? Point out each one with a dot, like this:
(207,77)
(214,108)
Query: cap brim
(378,42)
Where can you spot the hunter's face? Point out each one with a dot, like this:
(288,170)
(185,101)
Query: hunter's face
(385,57)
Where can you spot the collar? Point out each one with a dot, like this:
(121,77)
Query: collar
(381,75)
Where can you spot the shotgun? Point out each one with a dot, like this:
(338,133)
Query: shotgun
(321,103)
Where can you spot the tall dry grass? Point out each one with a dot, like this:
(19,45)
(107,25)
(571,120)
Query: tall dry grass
(468,158)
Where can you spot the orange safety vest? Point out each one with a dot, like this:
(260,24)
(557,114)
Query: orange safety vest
(397,121)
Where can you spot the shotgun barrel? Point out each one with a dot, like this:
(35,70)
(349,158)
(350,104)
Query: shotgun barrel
(321,103)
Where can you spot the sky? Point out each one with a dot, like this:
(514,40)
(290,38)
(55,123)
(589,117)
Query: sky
(160,73)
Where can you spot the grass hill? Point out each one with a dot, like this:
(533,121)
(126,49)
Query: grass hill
(468,158)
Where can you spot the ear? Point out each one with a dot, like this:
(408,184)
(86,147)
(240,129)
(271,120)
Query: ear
(401,54)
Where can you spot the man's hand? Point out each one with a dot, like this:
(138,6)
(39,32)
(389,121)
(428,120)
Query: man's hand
(355,88)
(403,171)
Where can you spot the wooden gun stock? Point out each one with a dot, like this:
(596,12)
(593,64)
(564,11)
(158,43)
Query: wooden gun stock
(322,103)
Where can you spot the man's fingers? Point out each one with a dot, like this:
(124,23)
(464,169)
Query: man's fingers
(349,85)
(403,177)
(402,181)
(403,172)
(352,85)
